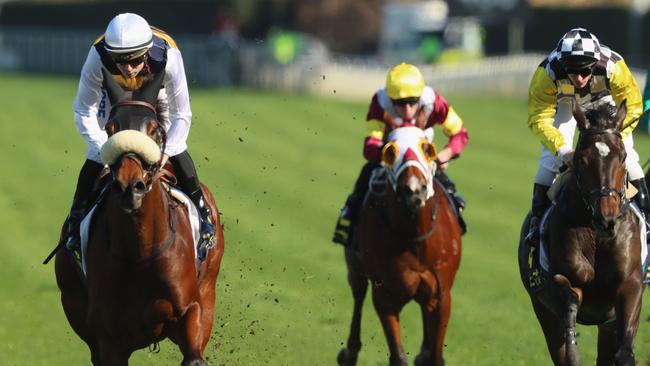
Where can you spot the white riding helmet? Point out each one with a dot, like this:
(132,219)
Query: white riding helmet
(128,36)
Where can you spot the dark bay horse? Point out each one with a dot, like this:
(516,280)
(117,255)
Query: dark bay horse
(594,272)
(142,283)
(409,249)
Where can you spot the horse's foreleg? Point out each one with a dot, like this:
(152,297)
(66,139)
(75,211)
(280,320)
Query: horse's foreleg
(110,353)
(388,308)
(572,299)
(628,308)
(435,305)
(191,340)
(606,344)
(359,284)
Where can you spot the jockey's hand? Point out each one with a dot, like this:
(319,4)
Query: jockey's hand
(567,157)
(444,156)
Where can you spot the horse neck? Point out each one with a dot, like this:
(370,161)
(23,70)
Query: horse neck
(410,224)
(571,204)
(139,233)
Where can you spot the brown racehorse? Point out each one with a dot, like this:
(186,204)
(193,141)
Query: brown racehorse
(142,282)
(409,248)
(594,274)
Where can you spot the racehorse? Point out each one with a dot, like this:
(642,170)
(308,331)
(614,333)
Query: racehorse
(142,283)
(594,274)
(409,247)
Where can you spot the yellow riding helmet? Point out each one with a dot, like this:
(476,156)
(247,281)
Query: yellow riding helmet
(404,81)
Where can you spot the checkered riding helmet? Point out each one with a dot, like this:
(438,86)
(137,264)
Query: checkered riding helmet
(578,48)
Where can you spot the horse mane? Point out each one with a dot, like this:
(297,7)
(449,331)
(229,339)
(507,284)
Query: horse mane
(602,116)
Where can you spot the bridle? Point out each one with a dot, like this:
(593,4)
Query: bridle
(602,191)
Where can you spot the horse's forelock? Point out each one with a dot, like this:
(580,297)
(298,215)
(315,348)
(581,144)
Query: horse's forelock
(602,117)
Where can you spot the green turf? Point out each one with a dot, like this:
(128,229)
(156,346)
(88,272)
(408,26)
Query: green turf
(280,167)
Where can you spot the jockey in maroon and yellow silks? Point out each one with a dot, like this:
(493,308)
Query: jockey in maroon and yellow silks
(438,111)
(399,104)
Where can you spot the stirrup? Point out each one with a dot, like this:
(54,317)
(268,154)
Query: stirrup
(73,245)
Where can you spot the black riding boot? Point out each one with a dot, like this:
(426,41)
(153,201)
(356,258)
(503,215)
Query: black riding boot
(540,203)
(642,198)
(459,201)
(87,176)
(350,212)
(189,183)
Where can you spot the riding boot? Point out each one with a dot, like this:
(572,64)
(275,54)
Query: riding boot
(642,199)
(458,199)
(87,176)
(540,203)
(349,215)
(344,222)
(189,183)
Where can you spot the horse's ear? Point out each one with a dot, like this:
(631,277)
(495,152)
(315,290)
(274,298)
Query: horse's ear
(156,132)
(389,120)
(581,119)
(421,119)
(111,128)
(114,91)
(621,113)
(149,91)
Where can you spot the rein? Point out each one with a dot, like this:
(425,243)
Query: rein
(139,103)
(602,191)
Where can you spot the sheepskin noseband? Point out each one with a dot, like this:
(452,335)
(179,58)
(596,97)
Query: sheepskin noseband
(130,141)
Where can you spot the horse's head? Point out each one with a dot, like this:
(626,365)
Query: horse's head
(409,159)
(136,139)
(599,163)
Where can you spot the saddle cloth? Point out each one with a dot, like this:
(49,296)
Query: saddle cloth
(175,193)
(543,253)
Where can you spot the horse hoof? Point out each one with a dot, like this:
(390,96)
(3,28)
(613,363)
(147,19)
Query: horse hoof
(626,359)
(425,359)
(196,362)
(347,357)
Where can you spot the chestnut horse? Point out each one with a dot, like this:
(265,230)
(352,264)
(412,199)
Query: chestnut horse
(594,273)
(409,244)
(142,283)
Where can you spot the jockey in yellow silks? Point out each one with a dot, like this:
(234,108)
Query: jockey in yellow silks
(132,51)
(401,100)
(580,69)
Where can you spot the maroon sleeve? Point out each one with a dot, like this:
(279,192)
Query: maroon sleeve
(440,110)
(458,141)
(375,111)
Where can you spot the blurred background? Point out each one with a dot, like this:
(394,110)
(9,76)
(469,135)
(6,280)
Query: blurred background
(291,44)
(280,91)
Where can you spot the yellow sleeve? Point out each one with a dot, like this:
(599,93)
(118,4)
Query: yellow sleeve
(623,86)
(375,128)
(452,124)
(542,99)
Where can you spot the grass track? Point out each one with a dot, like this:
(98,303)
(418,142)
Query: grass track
(280,166)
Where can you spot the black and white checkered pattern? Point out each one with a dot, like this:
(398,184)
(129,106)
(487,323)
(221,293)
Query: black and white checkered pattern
(578,42)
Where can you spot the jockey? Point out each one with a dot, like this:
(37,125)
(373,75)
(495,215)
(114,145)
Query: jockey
(580,69)
(132,51)
(401,100)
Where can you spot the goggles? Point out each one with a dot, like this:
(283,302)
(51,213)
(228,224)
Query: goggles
(132,59)
(405,101)
(582,71)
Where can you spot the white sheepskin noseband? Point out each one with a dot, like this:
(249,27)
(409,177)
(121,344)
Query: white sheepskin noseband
(130,141)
